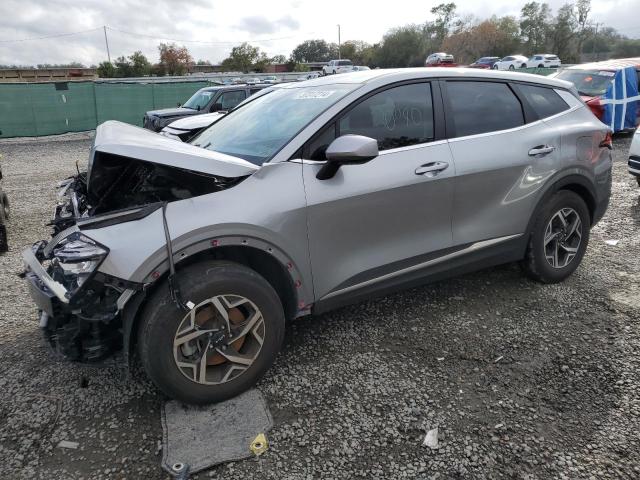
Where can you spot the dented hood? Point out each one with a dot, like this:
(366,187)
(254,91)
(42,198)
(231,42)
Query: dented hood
(118,138)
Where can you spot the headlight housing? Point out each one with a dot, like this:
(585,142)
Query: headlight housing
(75,259)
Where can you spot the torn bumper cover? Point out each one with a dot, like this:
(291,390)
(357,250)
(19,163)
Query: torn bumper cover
(79,307)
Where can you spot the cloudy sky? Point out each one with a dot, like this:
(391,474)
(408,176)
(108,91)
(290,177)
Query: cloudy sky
(210,28)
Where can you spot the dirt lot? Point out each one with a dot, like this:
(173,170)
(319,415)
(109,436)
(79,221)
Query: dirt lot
(523,380)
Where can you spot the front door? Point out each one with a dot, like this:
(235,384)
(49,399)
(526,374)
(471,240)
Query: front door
(373,221)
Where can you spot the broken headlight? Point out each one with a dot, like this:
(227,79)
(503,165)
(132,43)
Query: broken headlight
(75,259)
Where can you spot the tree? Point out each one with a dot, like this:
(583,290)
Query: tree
(278,59)
(402,47)
(123,67)
(359,52)
(140,66)
(627,48)
(583,7)
(244,58)
(106,70)
(174,60)
(445,14)
(314,51)
(534,22)
(562,32)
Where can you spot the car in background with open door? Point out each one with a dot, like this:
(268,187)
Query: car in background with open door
(205,100)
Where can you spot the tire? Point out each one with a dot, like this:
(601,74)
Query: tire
(540,66)
(494,67)
(511,67)
(524,65)
(536,263)
(161,320)
(638,180)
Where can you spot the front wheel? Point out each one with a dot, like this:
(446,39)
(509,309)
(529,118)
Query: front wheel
(495,67)
(559,238)
(524,65)
(223,344)
(511,67)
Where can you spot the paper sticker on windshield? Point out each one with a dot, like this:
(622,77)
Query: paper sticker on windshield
(206,94)
(306,94)
(604,73)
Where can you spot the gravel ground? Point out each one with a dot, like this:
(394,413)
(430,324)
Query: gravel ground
(523,380)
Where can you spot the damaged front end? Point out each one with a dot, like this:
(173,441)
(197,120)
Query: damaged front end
(132,173)
(77,304)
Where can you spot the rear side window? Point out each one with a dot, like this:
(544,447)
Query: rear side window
(230,100)
(397,117)
(480,107)
(544,101)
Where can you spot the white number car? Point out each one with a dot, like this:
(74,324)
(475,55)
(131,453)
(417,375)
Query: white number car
(337,66)
(543,60)
(510,63)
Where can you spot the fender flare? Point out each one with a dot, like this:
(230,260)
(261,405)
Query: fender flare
(130,310)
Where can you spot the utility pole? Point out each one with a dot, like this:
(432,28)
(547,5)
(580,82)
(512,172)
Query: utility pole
(338,41)
(594,54)
(106,41)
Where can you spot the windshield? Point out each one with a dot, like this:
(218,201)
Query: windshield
(590,83)
(258,130)
(199,100)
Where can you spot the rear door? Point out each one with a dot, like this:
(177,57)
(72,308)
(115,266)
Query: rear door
(503,152)
(371,222)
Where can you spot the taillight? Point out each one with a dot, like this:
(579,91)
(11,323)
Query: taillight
(607,142)
(596,107)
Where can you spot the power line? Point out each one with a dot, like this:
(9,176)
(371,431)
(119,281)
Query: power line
(55,35)
(155,37)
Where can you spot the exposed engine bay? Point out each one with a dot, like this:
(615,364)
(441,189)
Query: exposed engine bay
(117,183)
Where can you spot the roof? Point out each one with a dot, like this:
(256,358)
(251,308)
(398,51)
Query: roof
(233,86)
(400,74)
(609,64)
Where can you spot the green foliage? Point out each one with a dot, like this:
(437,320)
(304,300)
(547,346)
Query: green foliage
(627,48)
(106,70)
(245,58)
(314,51)
(402,47)
(301,67)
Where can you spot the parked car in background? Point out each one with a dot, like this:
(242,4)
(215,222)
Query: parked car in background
(196,254)
(205,100)
(184,129)
(337,66)
(4,216)
(634,156)
(237,81)
(543,60)
(594,82)
(440,59)
(510,62)
(271,79)
(252,81)
(360,68)
(484,62)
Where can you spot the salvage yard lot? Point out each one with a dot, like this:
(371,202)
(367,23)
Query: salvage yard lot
(523,380)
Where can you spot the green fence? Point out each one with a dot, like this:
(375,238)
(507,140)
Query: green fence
(28,110)
(33,109)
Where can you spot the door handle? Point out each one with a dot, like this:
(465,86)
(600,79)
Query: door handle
(432,168)
(541,150)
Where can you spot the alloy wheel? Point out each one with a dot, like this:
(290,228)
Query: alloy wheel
(562,238)
(219,339)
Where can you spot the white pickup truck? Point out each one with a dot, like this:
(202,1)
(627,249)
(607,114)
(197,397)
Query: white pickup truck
(337,66)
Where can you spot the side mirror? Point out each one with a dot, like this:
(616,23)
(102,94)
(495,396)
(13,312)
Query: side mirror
(216,107)
(347,149)
(179,104)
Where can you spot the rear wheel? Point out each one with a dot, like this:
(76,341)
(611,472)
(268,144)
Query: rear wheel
(559,238)
(511,67)
(223,344)
(540,66)
(524,65)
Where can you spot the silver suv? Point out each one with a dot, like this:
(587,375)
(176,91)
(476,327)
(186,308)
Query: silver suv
(319,194)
